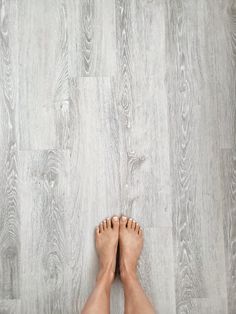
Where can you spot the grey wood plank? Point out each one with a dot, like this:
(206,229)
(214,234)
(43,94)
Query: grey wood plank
(9,208)
(140,29)
(225,69)
(228,177)
(207,305)
(95,182)
(146,185)
(124,87)
(142,103)
(209,196)
(197,219)
(184,123)
(156,269)
(10,307)
(92,38)
(43,84)
(44,177)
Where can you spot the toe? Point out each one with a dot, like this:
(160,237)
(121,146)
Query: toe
(137,227)
(123,221)
(97,231)
(108,223)
(129,225)
(115,222)
(104,224)
(101,227)
(140,232)
(133,224)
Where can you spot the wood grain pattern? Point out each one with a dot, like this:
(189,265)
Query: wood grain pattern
(184,119)
(92,38)
(228,175)
(197,218)
(149,185)
(142,104)
(224,26)
(9,209)
(44,251)
(209,194)
(10,307)
(95,186)
(43,84)
(124,93)
(158,278)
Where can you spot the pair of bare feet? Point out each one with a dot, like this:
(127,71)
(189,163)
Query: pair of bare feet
(129,235)
(125,235)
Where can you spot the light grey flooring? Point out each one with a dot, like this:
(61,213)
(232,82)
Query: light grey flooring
(110,107)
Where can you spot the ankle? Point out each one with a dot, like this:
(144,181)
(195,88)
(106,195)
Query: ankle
(105,276)
(128,276)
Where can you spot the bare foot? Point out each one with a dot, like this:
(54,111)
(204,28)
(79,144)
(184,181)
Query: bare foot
(107,235)
(130,244)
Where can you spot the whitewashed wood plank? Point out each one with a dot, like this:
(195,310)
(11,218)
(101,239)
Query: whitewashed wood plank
(44,248)
(43,84)
(228,180)
(156,269)
(224,27)
(10,307)
(143,112)
(95,183)
(182,88)
(92,38)
(9,207)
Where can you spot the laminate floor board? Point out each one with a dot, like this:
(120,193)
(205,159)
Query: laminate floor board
(9,204)
(148,183)
(209,193)
(10,307)
(184,119)
(92,38)
(44,195)
(157,270)
(225,67)
(195,156)
(43,71)
(228,176)
(94,181)
(142,107)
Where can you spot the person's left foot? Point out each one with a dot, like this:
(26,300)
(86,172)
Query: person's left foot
(107,235)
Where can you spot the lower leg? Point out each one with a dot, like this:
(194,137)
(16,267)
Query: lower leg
(106,245)
(131,243)
(135,299)
(99,300)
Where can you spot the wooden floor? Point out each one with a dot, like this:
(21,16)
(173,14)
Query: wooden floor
(110,107)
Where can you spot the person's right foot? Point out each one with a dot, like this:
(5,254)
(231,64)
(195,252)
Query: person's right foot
(107,235)
(130,247)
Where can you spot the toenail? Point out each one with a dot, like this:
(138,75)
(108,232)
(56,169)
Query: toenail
(115,218)
(123,218)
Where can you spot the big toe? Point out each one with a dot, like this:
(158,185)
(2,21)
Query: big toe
(115,222)
(123,222)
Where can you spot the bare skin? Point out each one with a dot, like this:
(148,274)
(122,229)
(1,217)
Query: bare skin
(107,235)
(130,237)
(131,244)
